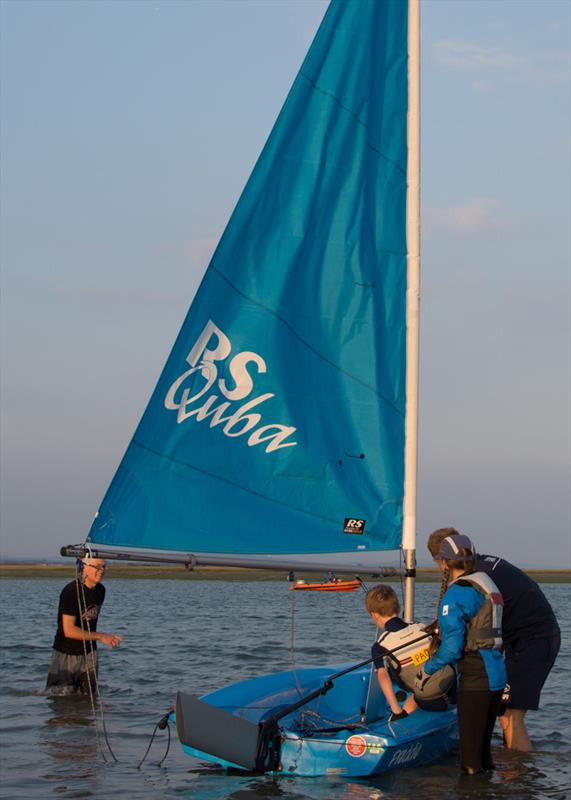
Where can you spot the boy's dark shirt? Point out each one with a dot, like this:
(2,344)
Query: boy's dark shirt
(377,650)
(526,609)
(68,604)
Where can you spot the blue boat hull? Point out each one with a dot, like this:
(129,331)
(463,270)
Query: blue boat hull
(328,736)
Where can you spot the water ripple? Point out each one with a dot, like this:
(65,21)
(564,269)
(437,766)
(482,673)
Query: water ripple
(224,633)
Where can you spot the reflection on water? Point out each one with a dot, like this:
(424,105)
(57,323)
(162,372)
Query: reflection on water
(69,710)
(69,752)
(50,744)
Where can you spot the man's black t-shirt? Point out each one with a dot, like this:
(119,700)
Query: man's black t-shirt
(68,604)
(526,609)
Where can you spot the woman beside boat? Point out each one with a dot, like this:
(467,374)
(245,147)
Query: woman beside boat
(470,623)
(531,639)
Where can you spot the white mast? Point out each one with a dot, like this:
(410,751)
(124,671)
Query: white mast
(412,305)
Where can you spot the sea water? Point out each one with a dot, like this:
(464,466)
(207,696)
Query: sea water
(199,635)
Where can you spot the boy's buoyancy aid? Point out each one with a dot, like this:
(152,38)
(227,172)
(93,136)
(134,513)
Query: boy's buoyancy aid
(484,631)
(412,646)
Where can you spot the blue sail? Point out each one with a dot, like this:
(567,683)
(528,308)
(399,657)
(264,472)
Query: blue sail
(277,424)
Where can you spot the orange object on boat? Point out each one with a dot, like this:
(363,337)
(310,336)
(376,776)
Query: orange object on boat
(330,586)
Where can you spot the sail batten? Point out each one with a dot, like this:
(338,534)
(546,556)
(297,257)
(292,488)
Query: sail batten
(278,423)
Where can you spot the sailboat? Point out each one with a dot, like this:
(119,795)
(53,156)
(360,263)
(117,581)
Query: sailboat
(282,432)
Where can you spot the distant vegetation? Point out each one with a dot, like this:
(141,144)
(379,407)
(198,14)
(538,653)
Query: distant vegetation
(150,572)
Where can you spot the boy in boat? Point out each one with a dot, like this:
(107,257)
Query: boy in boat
(73,667)
(398,653)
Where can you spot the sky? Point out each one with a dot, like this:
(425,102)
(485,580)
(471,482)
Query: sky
(128,130)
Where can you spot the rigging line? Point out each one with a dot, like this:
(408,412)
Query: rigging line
(334,729)
(303,711)
(292,645)
(306,344)
(97,692)
(80,592)
(320,716)
(103,724)
(96,680)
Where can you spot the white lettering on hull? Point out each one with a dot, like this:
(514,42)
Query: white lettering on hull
(406,755)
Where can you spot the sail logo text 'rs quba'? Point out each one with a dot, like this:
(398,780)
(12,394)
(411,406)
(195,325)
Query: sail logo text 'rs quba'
(214,346)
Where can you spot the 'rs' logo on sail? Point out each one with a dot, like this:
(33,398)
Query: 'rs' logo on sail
(214,346)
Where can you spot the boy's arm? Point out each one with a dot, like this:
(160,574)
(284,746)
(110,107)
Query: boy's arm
(387,688)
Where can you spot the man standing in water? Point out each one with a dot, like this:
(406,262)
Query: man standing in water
(531,639)
(73,667)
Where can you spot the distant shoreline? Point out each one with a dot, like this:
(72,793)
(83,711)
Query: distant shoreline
(124,571)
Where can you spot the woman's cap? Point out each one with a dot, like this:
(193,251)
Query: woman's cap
(451,546)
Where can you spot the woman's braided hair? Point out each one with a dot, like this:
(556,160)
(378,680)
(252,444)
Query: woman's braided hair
(464,560)
(443,586)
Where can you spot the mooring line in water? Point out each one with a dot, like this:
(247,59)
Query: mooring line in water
(161,725)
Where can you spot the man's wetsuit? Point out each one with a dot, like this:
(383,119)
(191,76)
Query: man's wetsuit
(529,629)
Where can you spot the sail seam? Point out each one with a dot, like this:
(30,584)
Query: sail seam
(230,483)
(243,488)
(357,119)
(306,343)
